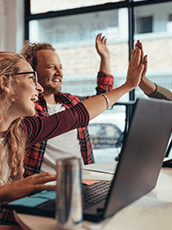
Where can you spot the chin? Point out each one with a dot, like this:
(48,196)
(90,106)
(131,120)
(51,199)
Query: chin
(31,111)
(54,90)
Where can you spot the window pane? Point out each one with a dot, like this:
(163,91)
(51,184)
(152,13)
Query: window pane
(106,132)
(73,37)
(43,6)
(144,25)
(153,26)
(140,0)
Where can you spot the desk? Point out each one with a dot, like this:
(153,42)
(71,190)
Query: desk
(152,212)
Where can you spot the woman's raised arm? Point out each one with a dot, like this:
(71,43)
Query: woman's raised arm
(98,104)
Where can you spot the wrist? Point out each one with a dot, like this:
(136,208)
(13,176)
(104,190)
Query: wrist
(147,86)
(104,58)
(143,79)
(128,87)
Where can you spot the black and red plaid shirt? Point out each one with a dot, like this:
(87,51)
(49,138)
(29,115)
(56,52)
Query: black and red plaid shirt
(34,155)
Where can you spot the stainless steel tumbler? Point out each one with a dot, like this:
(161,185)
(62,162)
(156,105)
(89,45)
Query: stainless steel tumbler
(69,193)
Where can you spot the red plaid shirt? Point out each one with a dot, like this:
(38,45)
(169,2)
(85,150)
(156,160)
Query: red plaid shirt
(34,155)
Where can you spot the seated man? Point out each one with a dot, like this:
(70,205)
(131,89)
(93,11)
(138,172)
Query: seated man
(43,58)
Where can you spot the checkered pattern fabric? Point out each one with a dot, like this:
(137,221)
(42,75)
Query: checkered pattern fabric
(34,155)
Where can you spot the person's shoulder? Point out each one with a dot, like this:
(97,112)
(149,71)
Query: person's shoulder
(66,95)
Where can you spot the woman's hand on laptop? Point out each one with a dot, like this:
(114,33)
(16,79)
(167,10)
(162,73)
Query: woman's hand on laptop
(26,186)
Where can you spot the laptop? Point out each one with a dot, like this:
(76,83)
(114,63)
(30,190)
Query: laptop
(136,174)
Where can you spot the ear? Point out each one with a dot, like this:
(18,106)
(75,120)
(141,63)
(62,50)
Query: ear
(5,84)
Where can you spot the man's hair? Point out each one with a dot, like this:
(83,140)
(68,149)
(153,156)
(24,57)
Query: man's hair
(29,51)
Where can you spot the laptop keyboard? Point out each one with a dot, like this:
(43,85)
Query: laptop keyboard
(92,194)
(95,193)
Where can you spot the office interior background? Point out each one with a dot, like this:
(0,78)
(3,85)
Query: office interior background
(71,27)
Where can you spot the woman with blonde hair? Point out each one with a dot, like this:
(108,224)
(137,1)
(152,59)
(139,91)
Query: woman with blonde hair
(19,90)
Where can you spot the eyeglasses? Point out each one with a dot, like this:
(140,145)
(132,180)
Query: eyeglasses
(35,78)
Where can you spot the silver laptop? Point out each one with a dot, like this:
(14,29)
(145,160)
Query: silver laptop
(140,159)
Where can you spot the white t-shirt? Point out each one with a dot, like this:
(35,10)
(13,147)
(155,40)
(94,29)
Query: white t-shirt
(64,145)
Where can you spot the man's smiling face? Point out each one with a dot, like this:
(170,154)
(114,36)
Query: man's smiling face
(49,70)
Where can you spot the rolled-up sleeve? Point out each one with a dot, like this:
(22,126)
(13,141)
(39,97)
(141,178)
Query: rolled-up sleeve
(161,93)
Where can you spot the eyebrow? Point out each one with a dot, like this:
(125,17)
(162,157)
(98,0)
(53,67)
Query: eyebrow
(52,64)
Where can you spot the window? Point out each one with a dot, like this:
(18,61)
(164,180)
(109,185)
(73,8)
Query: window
(71,27)
(144,25)
(39,6)
(170,18)
(73,37)
(156,44)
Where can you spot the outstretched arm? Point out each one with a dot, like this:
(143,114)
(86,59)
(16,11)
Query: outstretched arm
(145,85)
(97,105)
(24,187)
(104,54)
(38,129)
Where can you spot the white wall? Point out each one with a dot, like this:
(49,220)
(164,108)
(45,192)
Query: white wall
(11,25)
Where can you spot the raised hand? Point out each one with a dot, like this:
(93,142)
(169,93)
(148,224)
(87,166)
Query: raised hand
(143,58)
(104,54)
(146,85)
(135,68)
(101,46)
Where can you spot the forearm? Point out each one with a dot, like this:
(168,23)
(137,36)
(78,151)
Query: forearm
(161,93)
(4,190)
(38,129)
(147,86)
(98,104)
(105,65)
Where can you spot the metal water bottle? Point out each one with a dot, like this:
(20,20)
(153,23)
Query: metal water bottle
(69,193)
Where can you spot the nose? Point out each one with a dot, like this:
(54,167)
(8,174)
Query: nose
(59,71)
(39,88)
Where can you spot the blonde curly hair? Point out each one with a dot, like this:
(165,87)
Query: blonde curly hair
(29,51)
(14,141)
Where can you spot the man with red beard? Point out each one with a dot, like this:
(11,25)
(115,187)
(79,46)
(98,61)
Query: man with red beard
(44,60)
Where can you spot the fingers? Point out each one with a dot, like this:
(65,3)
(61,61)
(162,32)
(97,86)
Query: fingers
(41,183)
(145,59)
(38,181)
(46,178)
(140,46)
(41,178)
(137,44)
(141,68)
(135,58)
(42,187)
(145,62)
(100,39)
(105,41)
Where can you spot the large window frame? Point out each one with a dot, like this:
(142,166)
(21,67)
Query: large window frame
(129,4)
